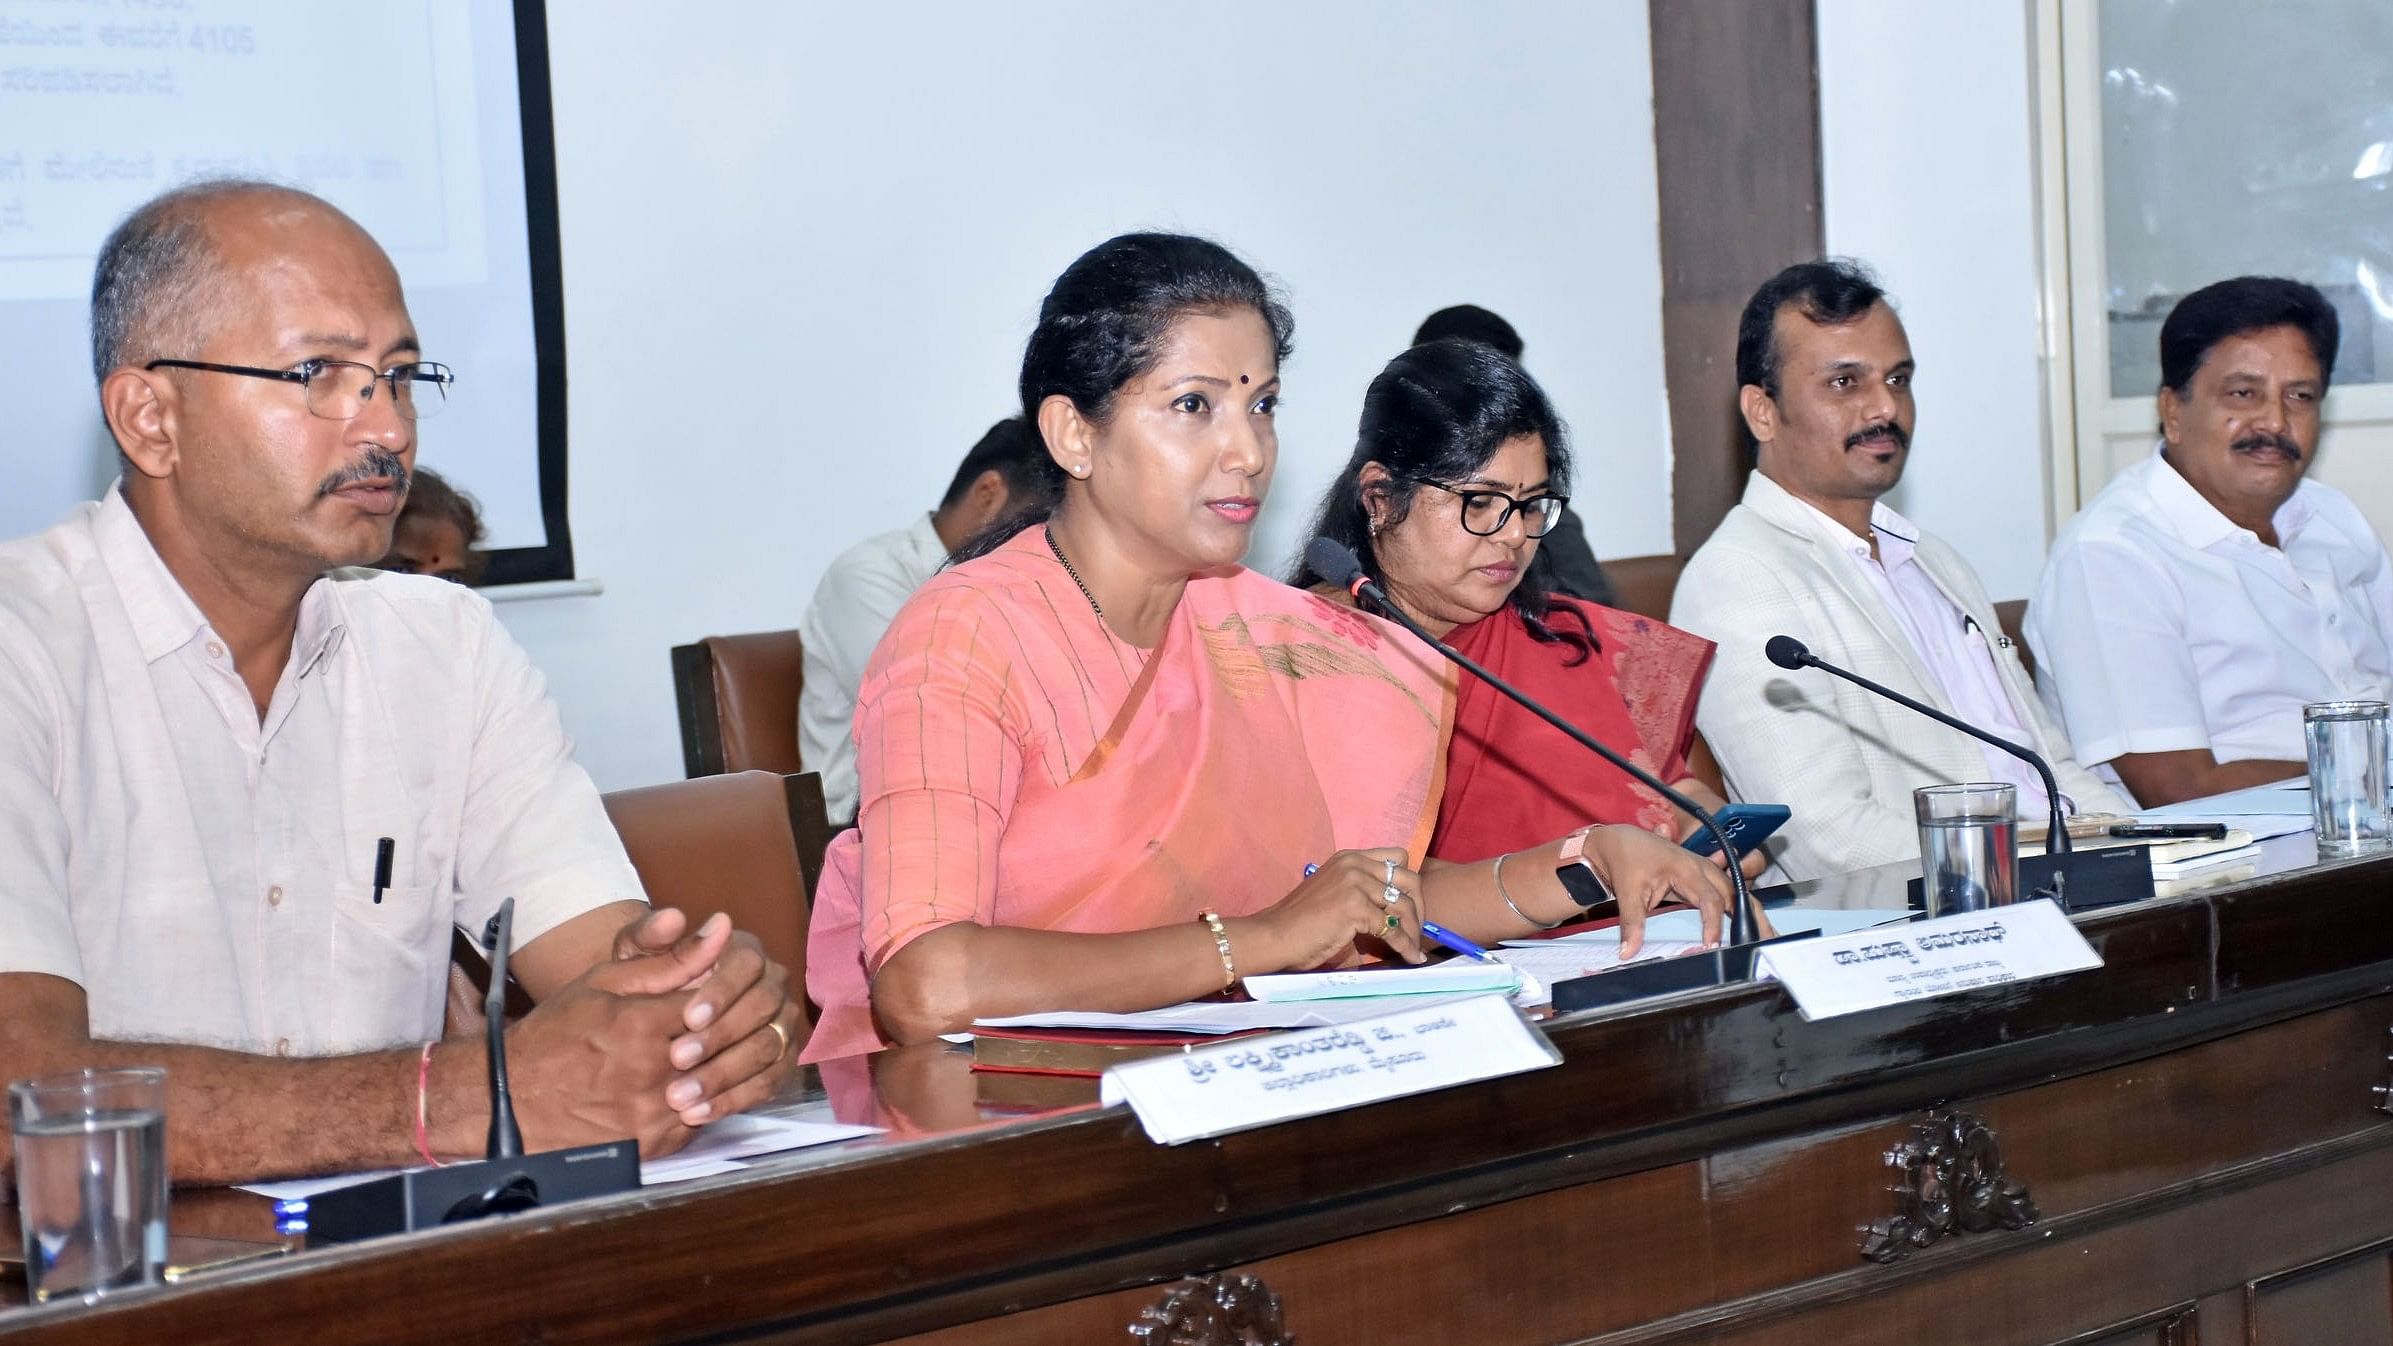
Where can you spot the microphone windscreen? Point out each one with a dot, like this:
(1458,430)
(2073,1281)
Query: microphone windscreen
(1333,560)
(1787,652)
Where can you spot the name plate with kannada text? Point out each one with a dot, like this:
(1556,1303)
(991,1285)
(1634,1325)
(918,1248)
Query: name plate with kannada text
(1967,951)
(1251,1082)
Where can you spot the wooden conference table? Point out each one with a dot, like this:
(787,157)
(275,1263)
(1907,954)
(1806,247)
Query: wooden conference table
(2194,1129)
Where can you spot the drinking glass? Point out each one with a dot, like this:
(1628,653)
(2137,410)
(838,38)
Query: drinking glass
(1968,846)
(91,1180)
(2346,740)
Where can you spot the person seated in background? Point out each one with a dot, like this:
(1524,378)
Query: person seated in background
(1460,469)
(438,532)
(864,586)
(1812,552)
(2210,591)
(1570,560)
(206,739)
(1104,767)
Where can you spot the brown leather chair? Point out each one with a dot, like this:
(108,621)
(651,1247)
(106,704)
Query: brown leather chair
(738,702)
(2012,614)
(737,843)
(1644,584)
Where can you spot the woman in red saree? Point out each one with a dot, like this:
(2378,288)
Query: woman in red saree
(1096,762)
(1459,468)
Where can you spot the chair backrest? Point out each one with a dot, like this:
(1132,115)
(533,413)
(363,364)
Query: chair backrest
(729,843)
(1644,584)
(738,702)
(2012,614)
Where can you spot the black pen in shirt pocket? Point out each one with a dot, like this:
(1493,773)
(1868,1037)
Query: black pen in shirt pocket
(382,867)
(1969,626)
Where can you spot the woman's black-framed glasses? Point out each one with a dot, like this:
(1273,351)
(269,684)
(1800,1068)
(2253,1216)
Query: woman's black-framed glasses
(1486,512)
(338,390)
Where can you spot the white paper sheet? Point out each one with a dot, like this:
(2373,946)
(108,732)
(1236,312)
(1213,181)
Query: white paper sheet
(1454,974)
(1687,926)
(1544,962)
(2277,799)
(1227,1016)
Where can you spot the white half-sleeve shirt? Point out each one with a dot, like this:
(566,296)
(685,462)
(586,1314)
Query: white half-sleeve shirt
(858,597)
(2160,625)
(206,877)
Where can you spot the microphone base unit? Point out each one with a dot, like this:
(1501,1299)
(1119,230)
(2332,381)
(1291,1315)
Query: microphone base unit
(426,1198)
(1728,965)
(2107,876)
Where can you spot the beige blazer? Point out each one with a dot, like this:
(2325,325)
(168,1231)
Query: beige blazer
(1845,760)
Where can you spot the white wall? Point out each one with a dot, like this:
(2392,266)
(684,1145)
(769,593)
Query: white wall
(1928,173)
(803,244)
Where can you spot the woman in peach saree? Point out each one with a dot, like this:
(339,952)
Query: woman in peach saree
(1102,766)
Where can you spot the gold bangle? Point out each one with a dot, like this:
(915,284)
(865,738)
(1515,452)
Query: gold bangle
(1221,945)
(1506,894)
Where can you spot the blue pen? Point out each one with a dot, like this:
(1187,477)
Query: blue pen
(1456,942)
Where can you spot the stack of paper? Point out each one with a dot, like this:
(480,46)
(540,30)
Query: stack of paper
(721,1147)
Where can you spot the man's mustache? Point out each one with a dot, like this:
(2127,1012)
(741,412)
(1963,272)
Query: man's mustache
(2262,439)
(379,463)
(1882,430)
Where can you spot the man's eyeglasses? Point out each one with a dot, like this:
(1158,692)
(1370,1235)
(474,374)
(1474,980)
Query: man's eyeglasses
(338,390)
(1486,512)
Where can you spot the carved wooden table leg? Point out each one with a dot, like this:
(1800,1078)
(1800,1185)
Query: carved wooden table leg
(1220,1310)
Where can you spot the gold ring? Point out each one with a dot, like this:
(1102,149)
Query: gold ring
(1394,920)
(781,1033)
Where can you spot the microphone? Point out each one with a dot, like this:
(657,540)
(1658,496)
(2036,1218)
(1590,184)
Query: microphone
(505,1181)
(506,1139)
(1336,562)
(1790,653)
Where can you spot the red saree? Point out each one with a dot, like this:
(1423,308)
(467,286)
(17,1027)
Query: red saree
(1513,781)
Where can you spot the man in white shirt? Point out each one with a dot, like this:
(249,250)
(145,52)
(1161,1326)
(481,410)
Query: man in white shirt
(205,741)
(2210,591)
(860,593)
(1811,552)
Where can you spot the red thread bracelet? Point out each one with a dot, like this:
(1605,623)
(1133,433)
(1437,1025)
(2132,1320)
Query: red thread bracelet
(423,1087)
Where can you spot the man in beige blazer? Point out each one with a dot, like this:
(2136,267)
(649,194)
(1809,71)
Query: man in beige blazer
(1812,553)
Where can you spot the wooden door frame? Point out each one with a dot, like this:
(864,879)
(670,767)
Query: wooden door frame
(1737,162)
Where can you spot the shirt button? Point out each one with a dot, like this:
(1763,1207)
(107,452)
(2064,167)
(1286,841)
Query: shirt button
(215,651)
(274,896)
(282,1047)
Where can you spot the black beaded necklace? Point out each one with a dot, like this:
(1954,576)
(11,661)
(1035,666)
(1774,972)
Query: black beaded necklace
(1076,580)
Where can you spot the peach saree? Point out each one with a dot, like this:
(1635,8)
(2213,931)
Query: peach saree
(1019,765)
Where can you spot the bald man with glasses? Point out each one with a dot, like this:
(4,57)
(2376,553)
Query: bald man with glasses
(211,735)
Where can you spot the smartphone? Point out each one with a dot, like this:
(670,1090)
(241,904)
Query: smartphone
(1747,826)
(2170,831)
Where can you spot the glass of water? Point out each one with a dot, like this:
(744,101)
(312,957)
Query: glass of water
(91,1180)
(1968,846)
(2346,740)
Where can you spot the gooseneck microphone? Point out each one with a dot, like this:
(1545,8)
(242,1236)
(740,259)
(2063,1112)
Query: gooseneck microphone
(1790,653)
(506,1139)
(1336,562)
(505,1182)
